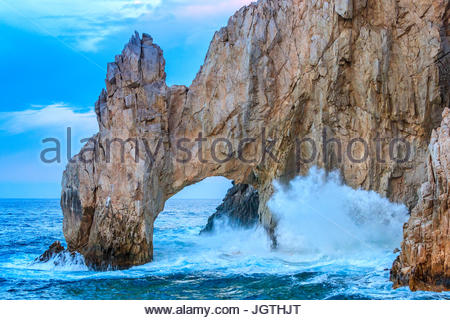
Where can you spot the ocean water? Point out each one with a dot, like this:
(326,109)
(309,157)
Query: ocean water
(334,243)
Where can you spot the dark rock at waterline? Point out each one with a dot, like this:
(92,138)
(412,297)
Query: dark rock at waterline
(59,256)
(239,207)
(55,249)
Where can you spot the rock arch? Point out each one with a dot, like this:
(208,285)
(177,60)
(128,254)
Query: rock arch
(278,72)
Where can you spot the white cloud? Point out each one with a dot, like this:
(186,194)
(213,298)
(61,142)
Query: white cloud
(206,8)
(85,22)
(48,118)
(20,160)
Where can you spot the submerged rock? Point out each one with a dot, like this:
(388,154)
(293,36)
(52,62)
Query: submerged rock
(239,208)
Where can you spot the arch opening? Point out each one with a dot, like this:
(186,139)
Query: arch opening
(206,222)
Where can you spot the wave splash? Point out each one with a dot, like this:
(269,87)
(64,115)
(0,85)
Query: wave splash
(63,261)
(319,214)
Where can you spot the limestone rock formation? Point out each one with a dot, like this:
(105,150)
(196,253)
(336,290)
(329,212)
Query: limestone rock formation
(424,263)
(286,85)
(239,208)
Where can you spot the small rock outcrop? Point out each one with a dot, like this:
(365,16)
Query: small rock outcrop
(54,249)
(59,256)
(424,261)
(239,208)
(355,86)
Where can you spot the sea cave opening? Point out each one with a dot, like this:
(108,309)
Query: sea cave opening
(185,215)
(212,224)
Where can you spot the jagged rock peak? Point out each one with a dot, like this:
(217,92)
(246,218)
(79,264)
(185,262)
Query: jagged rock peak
(140,63)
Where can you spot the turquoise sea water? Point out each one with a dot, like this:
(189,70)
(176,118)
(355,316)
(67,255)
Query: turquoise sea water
(231,264)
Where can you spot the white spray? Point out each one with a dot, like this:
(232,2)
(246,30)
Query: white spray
(318,214)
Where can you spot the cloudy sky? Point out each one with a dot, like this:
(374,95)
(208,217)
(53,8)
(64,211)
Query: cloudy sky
(53,57)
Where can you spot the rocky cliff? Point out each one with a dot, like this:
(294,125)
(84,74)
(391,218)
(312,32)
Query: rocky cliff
(356,86)
(424,262)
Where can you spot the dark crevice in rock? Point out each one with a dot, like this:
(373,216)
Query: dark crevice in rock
(443,62)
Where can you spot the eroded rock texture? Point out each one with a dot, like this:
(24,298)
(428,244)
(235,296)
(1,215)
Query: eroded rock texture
(424,263)
(239,208)
(279,72)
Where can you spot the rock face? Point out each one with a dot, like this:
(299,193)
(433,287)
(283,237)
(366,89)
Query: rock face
(239,208)
(424,263)
(286,85)
(344,8)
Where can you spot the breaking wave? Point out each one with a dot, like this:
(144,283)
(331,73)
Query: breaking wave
(319,214)
(63,261)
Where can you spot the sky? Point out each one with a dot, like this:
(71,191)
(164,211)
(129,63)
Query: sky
(53,57)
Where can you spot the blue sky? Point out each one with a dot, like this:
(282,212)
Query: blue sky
(53,57)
